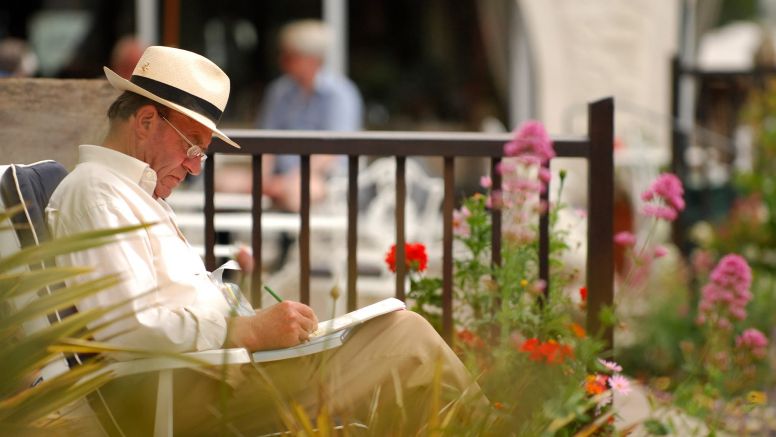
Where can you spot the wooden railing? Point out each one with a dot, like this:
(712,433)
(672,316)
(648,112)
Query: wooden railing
(596,148)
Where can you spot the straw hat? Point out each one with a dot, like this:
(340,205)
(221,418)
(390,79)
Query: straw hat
(184,81)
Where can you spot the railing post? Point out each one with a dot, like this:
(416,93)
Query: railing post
(544,238)
(210,212)
(256,207)
(495,214)
(447,250)
(600,225)
(401,195)
(304,231)
(352,301)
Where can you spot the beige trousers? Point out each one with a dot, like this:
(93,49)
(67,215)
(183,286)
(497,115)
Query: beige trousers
(388,366)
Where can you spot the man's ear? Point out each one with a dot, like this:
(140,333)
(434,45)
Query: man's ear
(144,121)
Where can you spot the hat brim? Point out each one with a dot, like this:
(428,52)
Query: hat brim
(122,84)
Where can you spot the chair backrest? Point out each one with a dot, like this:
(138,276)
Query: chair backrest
(378,198)
(32,186)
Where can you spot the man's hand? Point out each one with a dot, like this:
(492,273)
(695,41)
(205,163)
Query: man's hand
(282,325)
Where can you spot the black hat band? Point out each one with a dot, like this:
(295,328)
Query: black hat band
(178,96)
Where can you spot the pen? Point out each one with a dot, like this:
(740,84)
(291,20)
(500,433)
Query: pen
(277,298)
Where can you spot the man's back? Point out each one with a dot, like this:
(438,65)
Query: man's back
(108,189)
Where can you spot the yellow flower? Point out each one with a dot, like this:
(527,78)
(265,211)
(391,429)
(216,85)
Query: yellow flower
(523,283)
(662,383)
(757,397)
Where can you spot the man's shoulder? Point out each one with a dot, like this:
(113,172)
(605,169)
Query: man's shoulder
(340,85)
(89,181)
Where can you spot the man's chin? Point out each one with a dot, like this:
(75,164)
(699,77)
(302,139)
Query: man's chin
(163,192)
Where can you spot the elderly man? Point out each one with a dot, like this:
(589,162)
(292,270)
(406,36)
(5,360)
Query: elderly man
(160,128)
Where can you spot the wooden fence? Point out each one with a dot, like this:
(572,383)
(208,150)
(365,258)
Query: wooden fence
(596,147)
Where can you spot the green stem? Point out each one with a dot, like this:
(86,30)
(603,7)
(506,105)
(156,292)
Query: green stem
(637,258)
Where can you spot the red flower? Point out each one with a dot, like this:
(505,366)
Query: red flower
(595,384)
(415,257)
(470,339)
(578,330)
(583,293)
(550,351)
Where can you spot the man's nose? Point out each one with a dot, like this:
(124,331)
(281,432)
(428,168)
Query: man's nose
(193,165)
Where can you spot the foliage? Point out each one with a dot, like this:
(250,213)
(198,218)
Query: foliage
(698,345)
(520,334)
(24,409)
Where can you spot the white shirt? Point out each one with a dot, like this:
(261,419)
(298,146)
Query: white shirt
(174,304)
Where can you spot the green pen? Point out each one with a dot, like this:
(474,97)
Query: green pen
(277,298)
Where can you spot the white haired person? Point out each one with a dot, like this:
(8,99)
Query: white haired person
(306,97)
(16,58)
(160,128)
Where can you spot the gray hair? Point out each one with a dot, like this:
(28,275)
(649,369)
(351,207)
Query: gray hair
(308,37)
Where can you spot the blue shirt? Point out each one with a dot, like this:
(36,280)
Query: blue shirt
(335,104)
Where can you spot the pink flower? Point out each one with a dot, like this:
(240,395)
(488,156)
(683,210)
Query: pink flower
(495,200)
(660,212)
(539,286)
(660,251)
(702,261)
(668,188)
(486,181)
(753,340)
(619,384)
(531,139)
(544,175)
(460,222)
(625,238)
(666,197)
(505,167)
(727,293)
(611,365)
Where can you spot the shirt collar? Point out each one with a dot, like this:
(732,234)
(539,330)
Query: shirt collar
(127,166)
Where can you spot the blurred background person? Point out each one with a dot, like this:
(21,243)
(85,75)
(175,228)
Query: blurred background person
(16,58)
(125,54)
(306,97)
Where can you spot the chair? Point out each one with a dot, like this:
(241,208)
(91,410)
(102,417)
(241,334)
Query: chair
(376,215)
(33,185)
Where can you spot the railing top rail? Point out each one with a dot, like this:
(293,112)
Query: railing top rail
(381,143)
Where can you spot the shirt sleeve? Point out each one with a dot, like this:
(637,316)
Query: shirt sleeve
(269,114)
(157,315)
(345,112)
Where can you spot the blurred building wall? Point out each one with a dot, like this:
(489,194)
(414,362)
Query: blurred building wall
(49,118)
(585,50)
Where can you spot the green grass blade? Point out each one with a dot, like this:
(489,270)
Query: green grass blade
(62,298)
(64,245)
(16,284)
(22,357)
(51,395)
(10,212)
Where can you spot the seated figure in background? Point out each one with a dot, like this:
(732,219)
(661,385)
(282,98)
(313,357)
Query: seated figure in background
(306,97)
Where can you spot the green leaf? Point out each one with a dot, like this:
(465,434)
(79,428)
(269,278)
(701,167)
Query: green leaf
(655,427)
(16,284)
(10,212)
(53,394)
(21,357)
(62,298)
(61,246)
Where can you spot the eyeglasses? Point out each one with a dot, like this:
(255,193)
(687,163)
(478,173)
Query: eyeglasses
(194,151)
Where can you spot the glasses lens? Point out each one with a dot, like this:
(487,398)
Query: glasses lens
(196,152)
